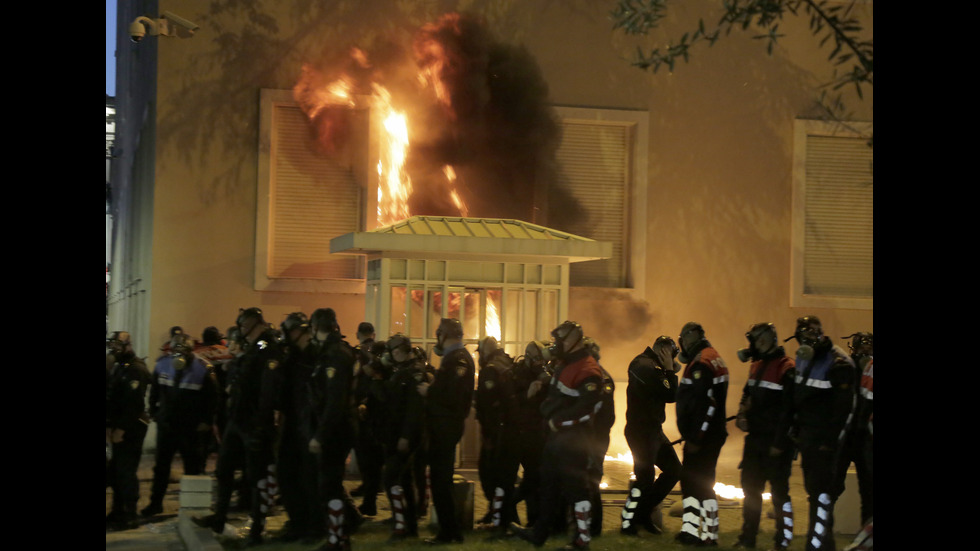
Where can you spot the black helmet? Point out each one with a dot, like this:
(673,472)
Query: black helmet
(296,320)
(325,319)
(211,336)
(450,328)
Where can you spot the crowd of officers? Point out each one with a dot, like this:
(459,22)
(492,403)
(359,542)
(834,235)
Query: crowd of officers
(289,407)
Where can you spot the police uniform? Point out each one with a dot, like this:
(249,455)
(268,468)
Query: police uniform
(296,467)
(126,384)
(448,405)
(403,411)
(766,407)
(701,395)
(254,393)
(822,405)
(496,410)
(181,400)
(367,445)
(858,446)
(604,420)
(649,389)
(574,397)
(332,385)
(530,431)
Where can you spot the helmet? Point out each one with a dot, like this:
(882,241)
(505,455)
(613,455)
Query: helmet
(296,320)
(692,334)
(861,344)
(118,342)
(365,328)
(809,332)
(568,332)
(211,336)
(398,341)
(324,320)
(486,348)
(248,319)
(449,328)
(756,333)
(536,351)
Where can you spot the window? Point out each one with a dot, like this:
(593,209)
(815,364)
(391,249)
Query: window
(602,162)
(833,215)
(305,199)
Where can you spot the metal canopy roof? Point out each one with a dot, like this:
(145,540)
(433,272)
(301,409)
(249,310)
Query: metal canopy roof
(439,236)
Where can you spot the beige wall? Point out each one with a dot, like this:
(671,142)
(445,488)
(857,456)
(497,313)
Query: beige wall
(719,161)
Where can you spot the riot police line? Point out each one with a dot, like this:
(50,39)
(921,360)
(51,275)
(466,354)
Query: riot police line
(288,407)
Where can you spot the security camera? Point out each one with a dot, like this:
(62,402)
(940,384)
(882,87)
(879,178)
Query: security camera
(187,25)
(167,25)
(137,29)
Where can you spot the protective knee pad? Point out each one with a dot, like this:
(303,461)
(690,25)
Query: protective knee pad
(692,517)
(629,510)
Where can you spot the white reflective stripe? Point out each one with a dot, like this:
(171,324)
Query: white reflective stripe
(787,534)
(720,379)
(815,542)
(711,505)
(822,513)
(690,529)
(711,393)
(691,518)
(750,382)
(583,506)
(191,386)
(770,385)
(788,507)
(626,525)
(399,518)
(166,382)
(635,492)
(566,423)
(499,492)
(704,426)
(584,418)
(685,381)
(868,394)
(788,521)
(819,528)
(691,502)
(628,515)
(816,383)
(824,498)
(567,391)
(264,508)
(711,411)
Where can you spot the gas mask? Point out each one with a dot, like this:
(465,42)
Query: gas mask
(809,332)
(566,337)
(762,341)
(862,348)
(691,336)
(181,351)
(449,328)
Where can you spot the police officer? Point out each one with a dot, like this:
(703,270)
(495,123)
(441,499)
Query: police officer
(652,385)
(367,445)
(764,412)
(125,427)
(254,383)
(182,402)
(296,466)
(822,405)
(605,418)
(496,410)
(574,397)
(404,408)
(333,435)
(858,447)
(448,401)
(701,421)
(530,388)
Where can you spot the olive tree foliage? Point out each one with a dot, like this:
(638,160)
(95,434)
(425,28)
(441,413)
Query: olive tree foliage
(830,22)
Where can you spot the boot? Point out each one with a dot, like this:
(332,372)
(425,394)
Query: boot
(337,538)
(583,525)
(629,512)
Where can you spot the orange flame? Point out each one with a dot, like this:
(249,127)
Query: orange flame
(453,193)
(394,184)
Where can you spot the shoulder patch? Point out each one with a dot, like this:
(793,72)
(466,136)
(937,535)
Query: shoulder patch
(590,387)
(331,371)
(134,384)
(666,384)
(262,345)
(697,374)
(608,388)
(488,385)
(272,364)
(461,371)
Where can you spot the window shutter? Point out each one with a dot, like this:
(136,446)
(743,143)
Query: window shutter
(314,198)
(594,167)
(839,229)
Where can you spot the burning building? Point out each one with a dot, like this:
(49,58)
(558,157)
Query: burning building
(707,181)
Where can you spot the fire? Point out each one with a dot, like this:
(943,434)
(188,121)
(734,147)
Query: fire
(492,323)
(457,200)
(394,183)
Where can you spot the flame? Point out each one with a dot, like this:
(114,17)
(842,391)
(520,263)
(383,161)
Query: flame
(492,323)
(394,184)
(453,194)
